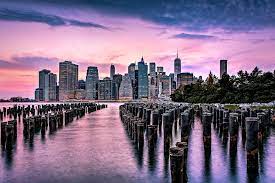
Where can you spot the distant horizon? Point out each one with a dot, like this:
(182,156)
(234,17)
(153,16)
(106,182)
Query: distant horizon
(37,35)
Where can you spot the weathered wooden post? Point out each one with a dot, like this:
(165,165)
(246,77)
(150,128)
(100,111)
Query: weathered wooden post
(206,121)
(155,117)
(252,128)
(233,130)
(177,164)
(225,123)
(152,135)
(3,133)
(140,134)
(185,126)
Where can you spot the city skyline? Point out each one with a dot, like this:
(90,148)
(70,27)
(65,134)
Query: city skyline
(38,35)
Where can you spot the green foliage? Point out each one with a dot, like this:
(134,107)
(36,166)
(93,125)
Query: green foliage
(243,88)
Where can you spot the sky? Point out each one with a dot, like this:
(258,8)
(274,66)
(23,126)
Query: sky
(36,35)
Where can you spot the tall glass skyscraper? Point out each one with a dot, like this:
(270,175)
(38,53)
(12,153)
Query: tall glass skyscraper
(47,85)
(223,67)
(92,83)
(142,79)
(68,80)
(112,71)
(177,66)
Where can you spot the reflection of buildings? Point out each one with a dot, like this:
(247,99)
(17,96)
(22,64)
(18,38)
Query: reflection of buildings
(68,80)
(185,78)
(91,83)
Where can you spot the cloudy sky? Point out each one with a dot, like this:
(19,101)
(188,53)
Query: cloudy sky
(38,34)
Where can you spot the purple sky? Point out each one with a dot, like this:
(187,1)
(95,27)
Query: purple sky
(36,35)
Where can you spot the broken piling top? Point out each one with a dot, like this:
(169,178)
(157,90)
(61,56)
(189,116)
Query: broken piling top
(176,151)
(252,128)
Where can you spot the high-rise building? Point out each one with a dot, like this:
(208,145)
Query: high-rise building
(135,85)
(105,89)
(112,71)
(185,78)
(152,68)
(177,66)
(68,80)
(44,83)
(131,71)
(81,84)
(117,78)
(52,87)
(223,67)
(142,79)
(159,69)
(92,83)
(38,94)
(165,86)
(152,81)
(47,84)
(125,90)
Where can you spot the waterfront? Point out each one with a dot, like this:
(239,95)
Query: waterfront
(96,148)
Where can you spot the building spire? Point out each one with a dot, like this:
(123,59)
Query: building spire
(177,53)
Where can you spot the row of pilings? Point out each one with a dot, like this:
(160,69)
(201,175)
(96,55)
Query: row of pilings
(40,118)
(254,125)
(143,120)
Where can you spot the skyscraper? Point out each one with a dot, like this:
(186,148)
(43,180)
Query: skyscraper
(47,85)
(125,90)
(152,68)
(38,94)
(117,78)
(142,79)
(223,67)
(52,87)
(152,80)
(112,71)
(131,71)
(91,83)
(44,83)
(177,67)
(68,80)
(105,89)
(185,78)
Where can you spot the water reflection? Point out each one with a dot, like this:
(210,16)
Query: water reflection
(97,148)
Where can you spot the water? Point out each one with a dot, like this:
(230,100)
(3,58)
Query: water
(96,148)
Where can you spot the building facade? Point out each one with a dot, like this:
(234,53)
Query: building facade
(177,67)
(185,78)
(92,79)
(47,85)
(68,80)
(105,89)
(125,89)
(223,67)
(142,79)
(112,71)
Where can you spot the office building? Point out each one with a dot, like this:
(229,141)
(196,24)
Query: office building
(105,89)
(142,79)
(125,89)
(68,80)
(223,67)
(112,71)
(81,84)
(38,94)
(47,85)
(92,83)
(185,78)
(177,67)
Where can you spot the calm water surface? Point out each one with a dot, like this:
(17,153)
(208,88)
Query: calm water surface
(96,148)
